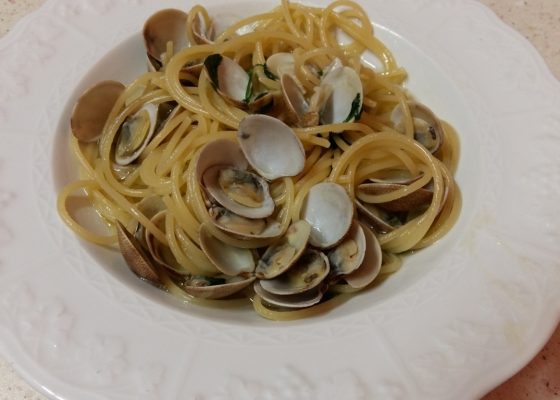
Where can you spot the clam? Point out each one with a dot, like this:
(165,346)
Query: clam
(328,209)
(161,253)
(135,256)
(229,79)
(162,27)
(285,252)
(243,197)
(298,300)
(135,133)
(307,273)
(345,101)
(371,264)
(202,34)
(220,152)
(281,64)
(349,254)
(400,176)
(299,110)
(234,84)
(243,227)
(242,192)
(229,260)
(219,23)
(381,221)
(216,287)
(92,109)
(271,147)
(428,130)
(414,200)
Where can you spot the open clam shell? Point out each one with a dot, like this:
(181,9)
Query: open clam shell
(271,147)
(243,227)
(135,256)
(281,63)
(229,260)
(280,256)
(346,99)
(298,300)
(379,220)
(92,109)
(220,152)
(299,110)
(428,130)
(371,264)
(135,134)
(230,80)
(160,252)
(307,273)
(414,200)
(216,287)
(349,254)
(162,27)
(329,210)
(242,192)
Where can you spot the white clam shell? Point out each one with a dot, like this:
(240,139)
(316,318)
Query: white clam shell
(346,87)
(342,262)
(307,273)
(228,259)
(210,181)
(220,152)
(329,210)
(429,131)
(281,63)
(298,300)
(294,242)
(270,146)
(371,265)
(151,109)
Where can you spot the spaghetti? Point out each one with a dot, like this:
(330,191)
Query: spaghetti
(383,154)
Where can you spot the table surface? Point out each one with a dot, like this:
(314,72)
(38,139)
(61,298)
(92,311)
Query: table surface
(538,21)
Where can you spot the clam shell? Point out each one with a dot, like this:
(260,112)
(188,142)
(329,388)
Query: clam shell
(285,252)
(125,155)
(228,259)
(230,80)
(92,109)
(299,300)
(349,254)
(345,101)
(411,201)
(216,287)
(270,146)
(165,26)
(135,256)
(210,180)
(307,273)
(380,220)
(281,63)
(244,227)
(328,209)
(220,152)
(427,126)
(371,265)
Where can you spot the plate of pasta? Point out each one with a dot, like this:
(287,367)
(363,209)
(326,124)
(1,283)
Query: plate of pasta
(276,200)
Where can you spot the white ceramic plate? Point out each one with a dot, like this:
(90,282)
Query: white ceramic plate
(459,318)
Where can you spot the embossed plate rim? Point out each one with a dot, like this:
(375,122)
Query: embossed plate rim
(74,335)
